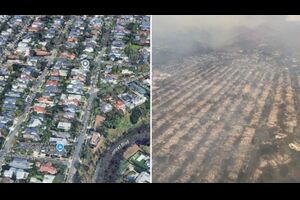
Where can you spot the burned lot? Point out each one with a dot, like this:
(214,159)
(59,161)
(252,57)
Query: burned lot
(227,116)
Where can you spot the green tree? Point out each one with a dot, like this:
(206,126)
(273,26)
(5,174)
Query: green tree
(135,115)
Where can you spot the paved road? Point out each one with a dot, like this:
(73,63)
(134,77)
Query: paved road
(15,128)
(11,46)
(86,118)
(85,121)
(105,159)
(63,161)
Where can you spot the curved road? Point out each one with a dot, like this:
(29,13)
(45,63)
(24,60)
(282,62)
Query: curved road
(127,140)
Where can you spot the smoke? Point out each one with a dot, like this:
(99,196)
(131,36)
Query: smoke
(217,28)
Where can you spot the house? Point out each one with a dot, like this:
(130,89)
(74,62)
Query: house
(26,39)
(71,56)
(147,82)
(48,179)
(52,83)
(106,107)
(70,108)
(57,22)
(52,89)
(69,115)
(63,73)
(39,109)
(54,78)
(34,123)
(4,120)
(120,105)
(63,135)
(48,168)
(66,126)
(32,136)
(79,77)
(45,100)
(138,100)
(10,100)
(9,173)
(20,163)
(73,40)
(9,106)
(74,102)
(136,87)
(108,69)
(21,174)
(89,49)
(109,79)
(143,177)
(54,140)
(55,73)
(33,29)
(126,72)
(42,53)
(74,97)
(132,100)
(31,133)
(95,139)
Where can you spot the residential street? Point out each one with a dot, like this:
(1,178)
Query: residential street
(85,121)
(15,129)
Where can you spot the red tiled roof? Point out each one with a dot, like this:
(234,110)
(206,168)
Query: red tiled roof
(72,39)
(33,29)
(74,101)
(41,53)
(52,83)
(68,55)
(120,104)
(39,109)
(48,168)
(44,100)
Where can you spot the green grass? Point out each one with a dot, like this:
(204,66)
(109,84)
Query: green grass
(59,178)
(39,177)
(134,47)
(146,149)
(124,125)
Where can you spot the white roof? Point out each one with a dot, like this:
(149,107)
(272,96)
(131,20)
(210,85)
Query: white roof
(9,173)
(48,178)
(21,174)
(35,123)
(143,177)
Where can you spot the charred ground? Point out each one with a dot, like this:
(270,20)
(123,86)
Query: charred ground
(230,115)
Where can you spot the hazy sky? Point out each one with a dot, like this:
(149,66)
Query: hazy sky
(219,27)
